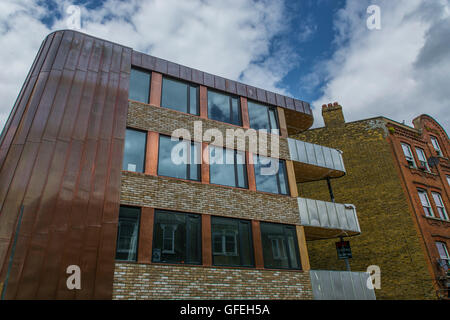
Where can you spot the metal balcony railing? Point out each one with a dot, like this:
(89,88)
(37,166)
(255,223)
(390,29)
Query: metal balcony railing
(341,285)
(338,219)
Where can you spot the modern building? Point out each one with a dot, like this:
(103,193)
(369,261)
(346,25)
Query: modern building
(398,177)
(110,165)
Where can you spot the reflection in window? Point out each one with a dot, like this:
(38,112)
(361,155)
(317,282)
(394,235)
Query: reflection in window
(128,233)
(423,163)
(270,175)
(177,238)
(223,107)
(280,247)
(179,159)
(134,151)
(436,146)
(139,85)
(262,117)
(227,167)
(425,203)
(231,242)
(179,96)
(440,205)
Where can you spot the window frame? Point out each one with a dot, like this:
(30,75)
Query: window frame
(230,104)
(187,215)
(139,210)
(188,165)
(420,152)
(431,211)
(440,205)
(436,146)
(444,246)
(239,248)
(413,165)
(288,191)
(149,83)
(268,109)
(189,85)
(145,149)
(235,167)
(286,248)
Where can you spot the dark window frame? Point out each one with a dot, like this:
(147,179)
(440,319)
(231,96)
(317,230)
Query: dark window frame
(188,165)
(268,109)
(288,191)
(230,104)
(296,247)
(252,249)
(149,72)
(235,167)
(138,233)
(200,239)
(189,85)
(145,149)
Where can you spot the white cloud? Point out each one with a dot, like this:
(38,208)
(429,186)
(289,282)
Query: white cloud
(228,38)
(400,71)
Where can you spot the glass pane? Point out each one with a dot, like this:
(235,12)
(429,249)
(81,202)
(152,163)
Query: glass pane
(273,120)
(219,107)
(241,170)
(195,163)
(174,95)
(194,240)
(225,233)
(246,244)
(139,86)
(169,240)
(443,253)
(128,234)
(225,170)
(266,172)
(292,247)
(258,116)
(236,112)
(283,177)
(421,154)
(172,167)
(193,100)
(273,243)
(134,150)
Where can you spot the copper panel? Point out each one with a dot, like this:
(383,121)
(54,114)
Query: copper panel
(244,112)
(151,156)
(146,235)
(203,102)
(250,171)
(60,157)
(155,89)
(206,240)
(282,122)
(205,163)
(257,244)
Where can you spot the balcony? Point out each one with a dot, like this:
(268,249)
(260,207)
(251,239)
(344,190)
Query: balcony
(341,285)
(314,162)
(325,220)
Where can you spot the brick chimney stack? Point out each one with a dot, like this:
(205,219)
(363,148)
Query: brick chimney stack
(332,115)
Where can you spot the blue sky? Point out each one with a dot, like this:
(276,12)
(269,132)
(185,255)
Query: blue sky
(319,51)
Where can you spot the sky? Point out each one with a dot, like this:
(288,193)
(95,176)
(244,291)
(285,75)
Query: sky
(320,51)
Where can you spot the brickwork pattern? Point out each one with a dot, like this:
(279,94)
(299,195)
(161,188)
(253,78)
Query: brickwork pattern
(165,193)
(149,281)
(389,238)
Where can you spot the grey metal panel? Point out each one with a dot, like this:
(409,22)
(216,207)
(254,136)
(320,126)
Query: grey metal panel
(328,157)
(332,215)
(316,285)
(340,209)
(319,155)
(313,213)
(293,150)
(310,153)
(323,213)
(301,151)
(368,292)
(303,209)
(347,283)
(337,161)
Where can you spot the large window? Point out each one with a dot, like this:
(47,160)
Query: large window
(280,247)
(423,163)
(134,151)
(179,96)
(227,167)
(177,238)
(179,159)
(440,205)
(139,85)
(223,107)
(270,175)
(436,145)
(425,203)
(128,233)
(443,252)
(408,155)
(231,242)
(262,117)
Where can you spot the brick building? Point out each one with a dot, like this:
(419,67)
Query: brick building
(88,178)
(398,178)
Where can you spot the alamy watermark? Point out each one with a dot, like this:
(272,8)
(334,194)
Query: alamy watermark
(374,280)
(373,22)
(73,20)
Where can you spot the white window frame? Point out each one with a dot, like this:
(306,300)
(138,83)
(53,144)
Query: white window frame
(448,180)
(422,158)
(427,205)
(444,246)
(440,205)
(278,247)
(436,146)
(170,237)
(409,157)
(223,234)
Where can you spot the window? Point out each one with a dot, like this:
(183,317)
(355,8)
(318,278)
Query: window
(443,252)
(139,85)
(448,180)
(270,175)
(223,107)
(134,151)
(179,96)
(423,163)
(128,233)
(436,146)
(408,155)
(262,117)
(179,159)
(425,203)
(227,167)
(177,238)
(280,247)
(440,205)
(232,242)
